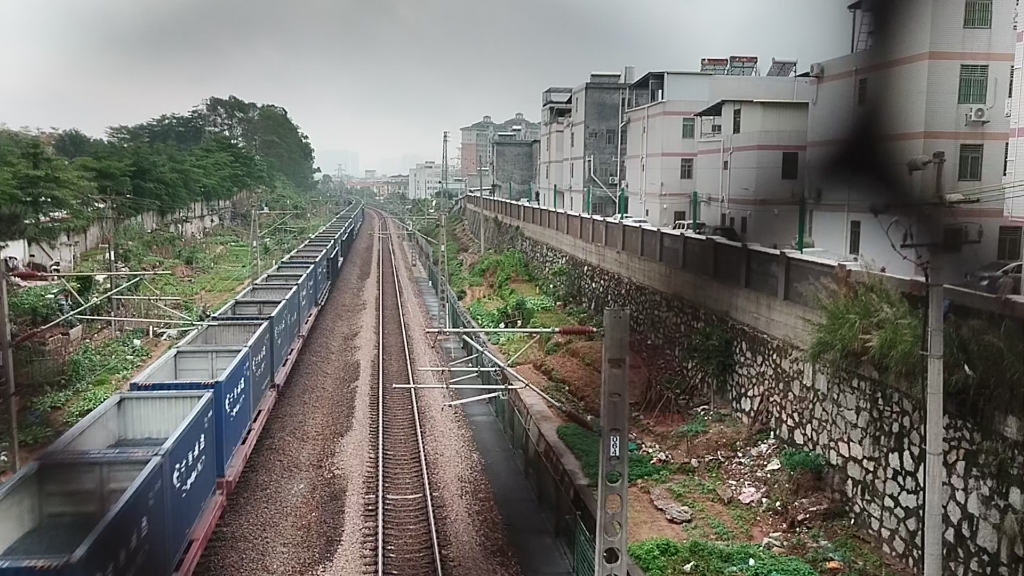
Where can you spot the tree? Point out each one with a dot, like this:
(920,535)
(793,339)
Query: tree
(74,143)
(41,195)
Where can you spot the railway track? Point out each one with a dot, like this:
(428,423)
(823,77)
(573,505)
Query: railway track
(401,529)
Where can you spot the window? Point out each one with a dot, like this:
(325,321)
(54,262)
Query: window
(721,218)
(1006,158)
(862,91)
(732,222)
(679,216)
(572,139)
(970,162)
(547,171)
(854,236)
(686,169)
(1009,243)
(576,104)
(978,14)
(743,224)
(572,169)
(1010,95)
(973,84)
(736,114)
(725,165)
(610,139)
(716,129)
(810,223)
(790,165)
(689,128)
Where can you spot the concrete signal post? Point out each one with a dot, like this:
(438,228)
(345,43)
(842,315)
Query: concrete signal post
(610,554)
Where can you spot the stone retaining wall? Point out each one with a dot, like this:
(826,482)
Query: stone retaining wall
(871,433)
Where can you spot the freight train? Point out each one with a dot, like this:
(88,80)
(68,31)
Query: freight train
(136,488)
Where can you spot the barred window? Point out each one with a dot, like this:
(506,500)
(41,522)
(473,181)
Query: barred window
(970,162)
(973,83)
(978,14)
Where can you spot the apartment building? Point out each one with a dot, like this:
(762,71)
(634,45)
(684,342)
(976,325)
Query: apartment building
(723,132)
(478,138)
(582,143)
(935,88)
(424,180)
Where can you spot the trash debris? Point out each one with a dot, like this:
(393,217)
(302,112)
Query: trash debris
(689,567)
(663,501)
(834,565)
(750,495)
(773,465)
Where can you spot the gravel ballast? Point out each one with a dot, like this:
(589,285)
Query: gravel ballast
(473,535)
(300,507)
(285,516)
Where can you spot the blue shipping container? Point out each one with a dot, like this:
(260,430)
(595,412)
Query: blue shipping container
(223,370)
(176,427)
(317,256)
(330,247)
(276,279)
(256,336)
(84,516)
(287,294)
(273,312)
(307,269)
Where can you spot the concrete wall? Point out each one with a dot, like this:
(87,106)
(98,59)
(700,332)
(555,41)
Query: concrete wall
(190,222)
(515,164)
(871,433)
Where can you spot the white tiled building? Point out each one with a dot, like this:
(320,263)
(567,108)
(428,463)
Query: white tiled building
(424,180)
(938,85)
(683,136)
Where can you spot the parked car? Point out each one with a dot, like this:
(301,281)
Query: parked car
(987,278)
(638,221)
(727,232)
(690,226)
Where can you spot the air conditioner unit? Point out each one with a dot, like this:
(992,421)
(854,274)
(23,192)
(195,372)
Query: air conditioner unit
(978,114)
(817,71)
(613,180)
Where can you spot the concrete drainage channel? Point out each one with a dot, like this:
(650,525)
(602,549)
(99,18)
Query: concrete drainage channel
(551,524)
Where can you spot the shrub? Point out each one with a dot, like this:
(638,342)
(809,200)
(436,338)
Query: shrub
(867,322)
(797,460)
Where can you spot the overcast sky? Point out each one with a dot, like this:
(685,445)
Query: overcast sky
(383,78)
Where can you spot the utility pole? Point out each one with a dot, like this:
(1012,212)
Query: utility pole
(443,214)
(934,462)
(480,216)
(613,483)
(110,257)
(7,360)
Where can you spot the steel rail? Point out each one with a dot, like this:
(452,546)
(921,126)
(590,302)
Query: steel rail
(385,234)
(380,404)
(415,409)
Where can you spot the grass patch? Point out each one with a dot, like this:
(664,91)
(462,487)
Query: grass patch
(665,557)
(796,460)
(586,446)
(856,560)
(695,427)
